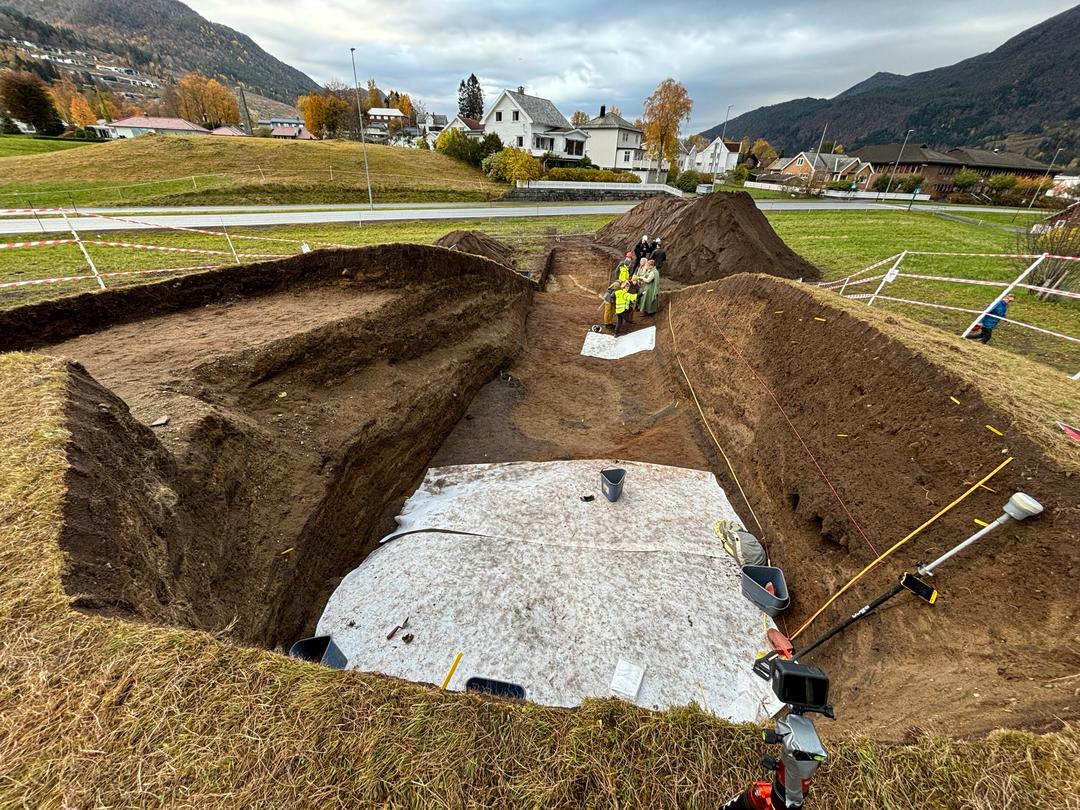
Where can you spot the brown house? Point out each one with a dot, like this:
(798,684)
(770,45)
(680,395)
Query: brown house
(825,168)
(939,167)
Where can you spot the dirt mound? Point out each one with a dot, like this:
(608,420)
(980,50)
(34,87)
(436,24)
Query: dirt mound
(478,243)
(709,238)
(298,420)
(881,423)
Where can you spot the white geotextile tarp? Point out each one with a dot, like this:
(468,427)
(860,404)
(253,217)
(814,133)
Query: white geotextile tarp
(609,347)
(506,563)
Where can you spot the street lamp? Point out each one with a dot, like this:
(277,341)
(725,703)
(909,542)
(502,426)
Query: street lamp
(897,164)
(360,123)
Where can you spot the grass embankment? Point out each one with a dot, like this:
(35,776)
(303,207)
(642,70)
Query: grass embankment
(841,242)
(176,170)
(19,145)
(111,714)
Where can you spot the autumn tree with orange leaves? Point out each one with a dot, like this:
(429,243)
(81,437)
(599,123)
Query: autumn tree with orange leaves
(665,111)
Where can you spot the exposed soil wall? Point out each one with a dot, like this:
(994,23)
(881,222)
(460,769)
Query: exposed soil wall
(708,238)
(299,421)
(879,420)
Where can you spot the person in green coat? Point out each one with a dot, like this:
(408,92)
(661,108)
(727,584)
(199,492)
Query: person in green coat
(649,294)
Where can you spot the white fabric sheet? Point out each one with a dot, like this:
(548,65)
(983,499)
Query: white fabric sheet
(609,347)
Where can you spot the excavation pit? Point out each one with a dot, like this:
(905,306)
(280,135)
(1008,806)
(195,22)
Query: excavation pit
(306,399)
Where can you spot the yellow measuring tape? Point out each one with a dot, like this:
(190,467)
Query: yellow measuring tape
(708,427)
(897,545)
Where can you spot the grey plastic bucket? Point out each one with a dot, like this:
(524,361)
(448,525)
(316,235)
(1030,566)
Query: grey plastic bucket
(611,482)
(754,580)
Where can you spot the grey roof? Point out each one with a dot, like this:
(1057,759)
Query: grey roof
(996,160)
(827,160)
(913,153)
(540,110)
(437,119)
(611,120)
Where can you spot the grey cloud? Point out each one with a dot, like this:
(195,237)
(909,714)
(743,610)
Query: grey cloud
(586,53)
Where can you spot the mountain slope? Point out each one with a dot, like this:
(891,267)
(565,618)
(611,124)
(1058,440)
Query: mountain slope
(1023,94)
(177,40)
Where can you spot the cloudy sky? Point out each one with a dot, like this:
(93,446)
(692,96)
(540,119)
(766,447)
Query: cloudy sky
(583,53)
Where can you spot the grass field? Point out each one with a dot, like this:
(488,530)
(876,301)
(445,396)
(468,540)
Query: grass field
(840,242)
(20,145)
(174,170)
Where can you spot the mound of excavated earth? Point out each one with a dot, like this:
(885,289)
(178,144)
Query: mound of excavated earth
(715,236)
(478,243)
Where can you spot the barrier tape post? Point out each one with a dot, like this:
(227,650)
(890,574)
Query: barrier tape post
(889,276)
(85,252)
(1005,292)
(228,239)
(39,222)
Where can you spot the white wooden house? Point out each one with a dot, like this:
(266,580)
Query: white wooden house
(534,124)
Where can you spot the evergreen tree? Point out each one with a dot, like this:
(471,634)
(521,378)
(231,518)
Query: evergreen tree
(470,98)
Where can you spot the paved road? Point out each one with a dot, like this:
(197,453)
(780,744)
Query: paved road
(250,216)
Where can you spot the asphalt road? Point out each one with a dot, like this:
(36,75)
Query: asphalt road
(93,219)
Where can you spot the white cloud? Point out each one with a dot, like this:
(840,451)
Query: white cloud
(584,53)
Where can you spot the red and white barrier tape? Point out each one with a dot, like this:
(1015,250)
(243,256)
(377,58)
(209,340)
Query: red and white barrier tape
(962,309)
(996,255)
(36,281)
(204,251)
(35,243)
(858,273)
(986,283)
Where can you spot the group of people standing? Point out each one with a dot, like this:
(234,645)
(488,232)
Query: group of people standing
(636,286)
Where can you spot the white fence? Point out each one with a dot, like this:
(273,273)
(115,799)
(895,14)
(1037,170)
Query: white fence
(796,188)
(845,286)
(586,186)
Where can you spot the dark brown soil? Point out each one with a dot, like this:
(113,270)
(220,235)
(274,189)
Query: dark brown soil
(709,238)
(880,422)
(478,243)
(305,404)
(298,422)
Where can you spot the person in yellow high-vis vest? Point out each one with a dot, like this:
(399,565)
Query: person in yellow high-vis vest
(622,305)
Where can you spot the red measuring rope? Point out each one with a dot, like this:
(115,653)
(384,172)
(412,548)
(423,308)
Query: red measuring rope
(794,430)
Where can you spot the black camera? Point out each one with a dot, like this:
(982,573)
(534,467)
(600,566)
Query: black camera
(804,688)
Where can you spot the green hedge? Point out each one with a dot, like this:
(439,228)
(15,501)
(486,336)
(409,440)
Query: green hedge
(592,176)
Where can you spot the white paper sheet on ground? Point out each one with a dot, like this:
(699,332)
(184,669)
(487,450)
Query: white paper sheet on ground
(609,347)
(506,563)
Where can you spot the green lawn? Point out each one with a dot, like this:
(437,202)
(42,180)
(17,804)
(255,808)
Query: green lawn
(200,170)
(20,145)
(841,242)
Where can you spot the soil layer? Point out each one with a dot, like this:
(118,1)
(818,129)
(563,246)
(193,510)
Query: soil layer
(298,420)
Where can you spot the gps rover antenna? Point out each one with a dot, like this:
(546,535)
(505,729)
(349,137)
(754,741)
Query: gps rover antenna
(1019,507)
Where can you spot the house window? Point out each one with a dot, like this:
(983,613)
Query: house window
(575,147)
(541,142)
(799,162)
(498,116)
(515,115)
(626,156)
(520,140)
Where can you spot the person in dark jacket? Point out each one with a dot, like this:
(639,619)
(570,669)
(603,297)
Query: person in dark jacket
(658,255)
(990,320)
(642,250)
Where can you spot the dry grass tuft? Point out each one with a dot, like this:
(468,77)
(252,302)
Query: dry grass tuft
(102,713)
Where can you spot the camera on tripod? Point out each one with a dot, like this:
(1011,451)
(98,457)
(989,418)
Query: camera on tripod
(803,688)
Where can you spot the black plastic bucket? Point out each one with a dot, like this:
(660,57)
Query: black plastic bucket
(319,650)
(611,483)
(754,580)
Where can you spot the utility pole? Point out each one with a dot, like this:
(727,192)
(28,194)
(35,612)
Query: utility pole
(897,164)
(1049,169)
(245,116)
(360,123)
(817,155)
(723,134)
